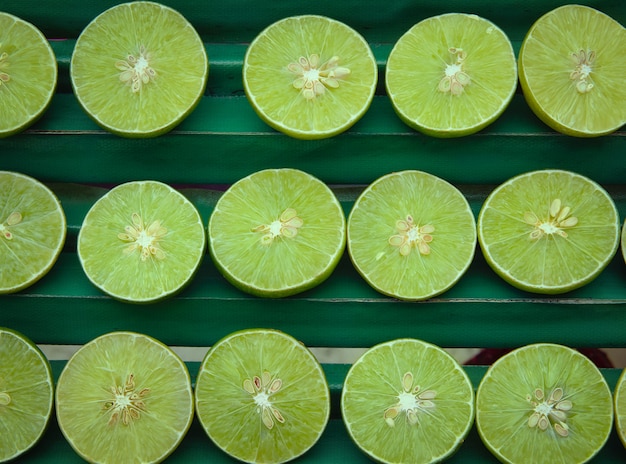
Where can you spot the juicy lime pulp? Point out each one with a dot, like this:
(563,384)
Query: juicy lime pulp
(544,403)
(619,399)
(262,396)
(277,232)
(28,74)
(411,235)
(139,68)
(451,75)
(124,397)
(26,394)
(548,231)
(141,242)
(32,231)
(407,401)
(572,64)
(310,76)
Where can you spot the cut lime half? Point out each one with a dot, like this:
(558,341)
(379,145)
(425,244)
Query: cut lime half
(310,76)
(544,403)
(141,242)
(139,68)
(262,396)
(451,75)
(26,394)
(32,231)
(28,74)
(619,399)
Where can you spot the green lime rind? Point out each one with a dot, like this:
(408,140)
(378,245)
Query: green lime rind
(262,396)
(544,403)
(26,394)
(407,400)
(619,403)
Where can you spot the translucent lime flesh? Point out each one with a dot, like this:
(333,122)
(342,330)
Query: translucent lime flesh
(28,74)
(265,260)
(556,70)
(26,394)
(437,209)
(619,400)
(248,381)
(529,379)
(548,262)
(269,84)
(124,397)
(141,242)
(451,75)
(407,401)
(32,231)
(163,51)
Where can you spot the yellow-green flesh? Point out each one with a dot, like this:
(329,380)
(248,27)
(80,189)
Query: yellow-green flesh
(263,260)
(124,398)
(26,394)
(407,401)
(507,399)
(232,410)
(619,400)
(269,84)
(431,202)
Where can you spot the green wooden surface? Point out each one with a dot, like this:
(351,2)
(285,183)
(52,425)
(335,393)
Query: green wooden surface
(223,140)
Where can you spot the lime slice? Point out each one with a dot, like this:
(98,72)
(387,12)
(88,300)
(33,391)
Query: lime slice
(411,235)
(139,69)
(32,231)
(623,241)
(277,232)
(310,77)
(124,397)
(141,242)
(26,394)
(407,401)
(572,65)
(544,403)
(619,399)
(28,74)
(451,75)
(262,396)
(548,231)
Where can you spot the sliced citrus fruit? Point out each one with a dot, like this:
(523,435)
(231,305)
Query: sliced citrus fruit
(26,394)
(141,242)
(619,399)
(411,235)
(309,76)
(28,74)
(407,401)
(451,75)
(262,396)
(124,397)
(277,232)
(548,231)
(623,241)
(544,403)
(32,231)
(139,68)
(572,64)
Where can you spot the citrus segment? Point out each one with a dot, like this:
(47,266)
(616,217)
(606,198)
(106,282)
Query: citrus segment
(124,397)
(548,231)
(407,401)
(261,396)
(139,68)
(572,64)
(28,74)
(451,75)
(544,403)
(32,231)
(619,400)
(277,232)
(26,394)
(309,76)
(411,235)
(141,242)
